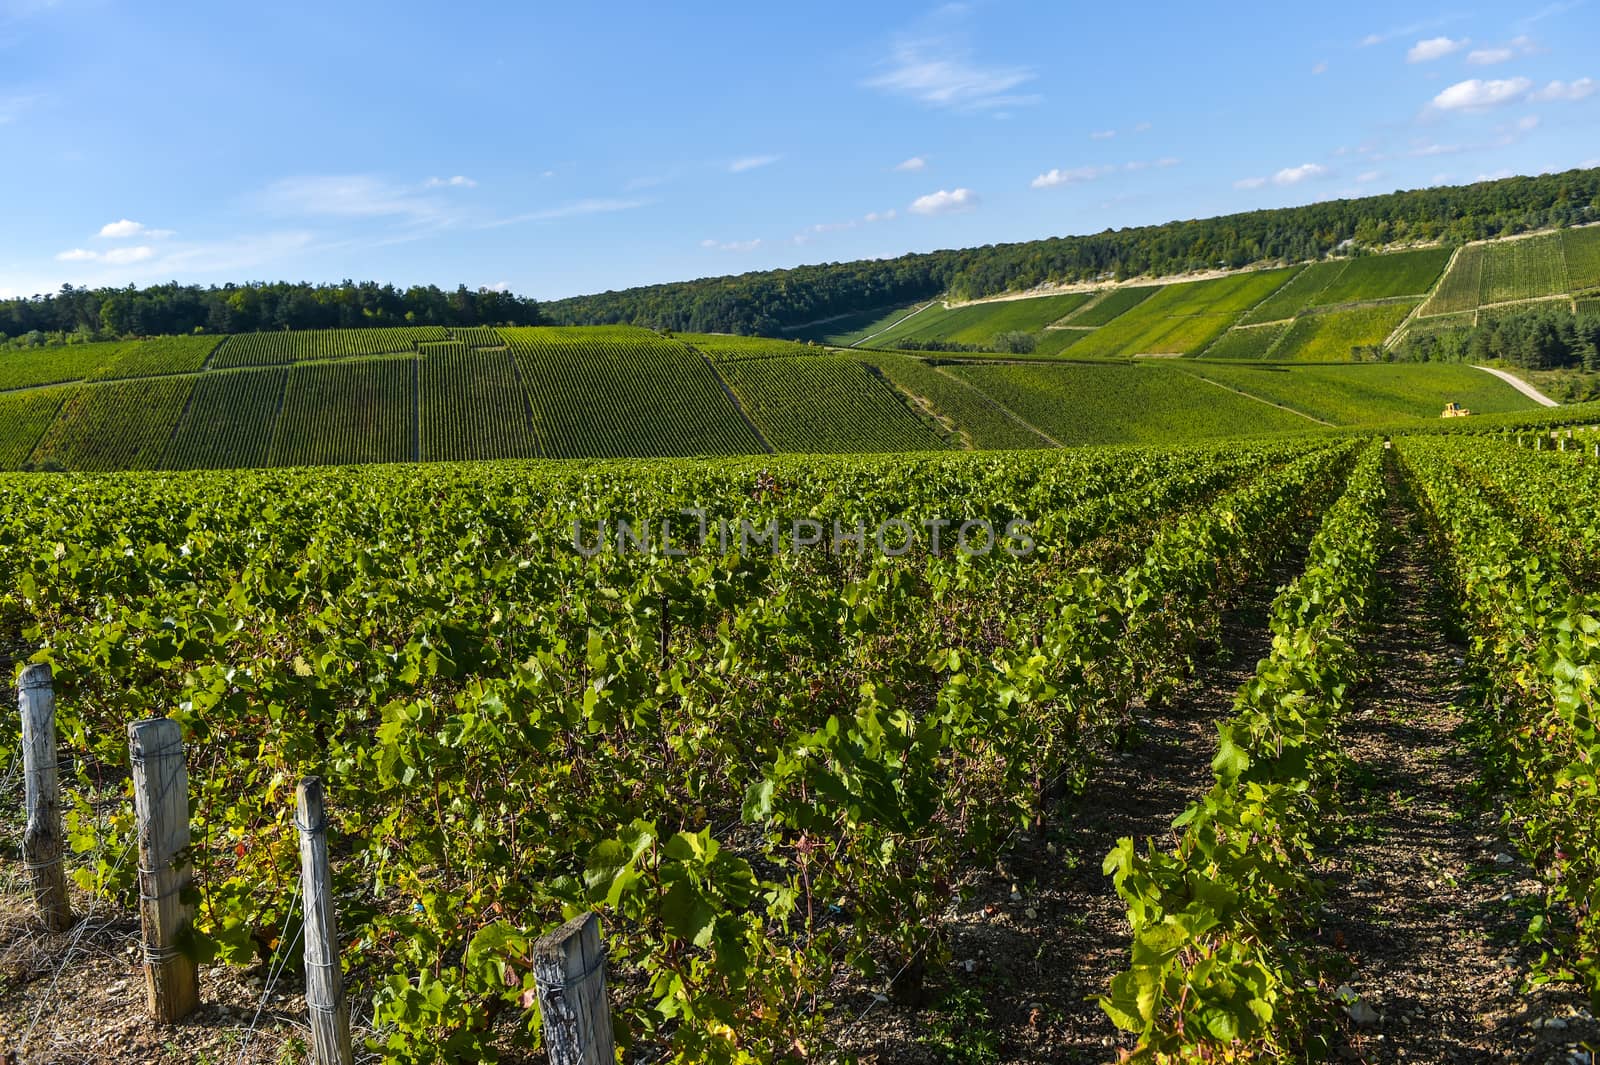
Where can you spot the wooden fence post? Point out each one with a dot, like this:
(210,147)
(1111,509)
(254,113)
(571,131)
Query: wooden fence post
(161,805)
(42,839)
(325,1001)
(569,965)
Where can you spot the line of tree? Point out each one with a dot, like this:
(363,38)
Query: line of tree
(763,303)
(170,309)
(1549,337)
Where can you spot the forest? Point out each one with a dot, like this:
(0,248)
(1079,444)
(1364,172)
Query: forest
(1545,338)
(767,301)
(173,309)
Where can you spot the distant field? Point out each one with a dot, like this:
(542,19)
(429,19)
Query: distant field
(826,403)
(473,406)
(852,329)
(49,366)
(1182,318)
(1459,291)
(229,421)
(1369,393)
(1113,304)
(164,355)
(1330,336)
(118,426)
(1377,277)
(723,348)
(1247,342)
(980,323)
(275,349)
(620,392)
(1588,307)
(1056,341)
(1120,403)
(347,412)
(1582,251)
(23,420)
(1523,269)
(1300,292)
(986,424)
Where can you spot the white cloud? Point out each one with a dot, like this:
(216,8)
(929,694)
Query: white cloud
(1320,68)
(1102,134)
(1168,161)
(1528,123)
(114,257)
(1566,90)
(752,162)
(1250,183)
(1475,94)
(1073,176)
(953,201)
(1494,175)
(575,209)
(457,182)
(1293,175)
(1368,178)
(1435,48)
(732,245)
(1143,127)
(128,228)
(498,286)
(881,216)
(937,69)
(1487,57)
(912,165)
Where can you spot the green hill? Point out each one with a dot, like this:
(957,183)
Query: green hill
(434,393)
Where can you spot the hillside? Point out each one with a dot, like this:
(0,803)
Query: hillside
(432,394)
(858,293)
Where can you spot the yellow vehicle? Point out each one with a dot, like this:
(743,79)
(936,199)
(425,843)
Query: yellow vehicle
(1455,410)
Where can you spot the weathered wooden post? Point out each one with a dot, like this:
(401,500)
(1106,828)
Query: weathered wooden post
(325,1001)
(161,805)
(42,839)
(569,965)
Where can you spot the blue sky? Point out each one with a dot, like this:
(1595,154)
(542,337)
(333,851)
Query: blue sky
(558,149)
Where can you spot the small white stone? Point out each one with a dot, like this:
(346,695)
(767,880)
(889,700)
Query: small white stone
(1503,858)
(1030,913)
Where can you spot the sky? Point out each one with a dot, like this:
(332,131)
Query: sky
(555,149)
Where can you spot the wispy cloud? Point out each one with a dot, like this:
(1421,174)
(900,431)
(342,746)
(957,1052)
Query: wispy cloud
(350,196)
(1289,175)
(1503,53)
(1071,176)
(1412,30)
(124,228)
(112,257)
(14,107)
(1435,48)
(457,182)
(731,245)
(913,165)
(1476,94)
(1293,175)
(575,209)
(945,201)
(1549,11)
(1102,134)
(1565,90)
(935,66)
(1320,68)
(752,162)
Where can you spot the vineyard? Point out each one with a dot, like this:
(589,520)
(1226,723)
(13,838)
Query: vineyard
(791,772)
(825,404)
(611,393)
(271,349)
